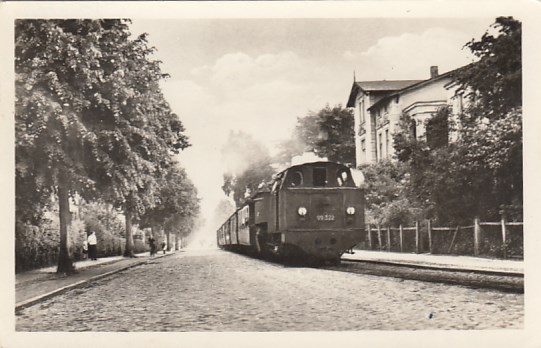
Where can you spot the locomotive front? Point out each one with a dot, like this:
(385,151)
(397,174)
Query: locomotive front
(319,212)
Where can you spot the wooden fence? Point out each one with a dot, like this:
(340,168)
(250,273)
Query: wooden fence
(500,239)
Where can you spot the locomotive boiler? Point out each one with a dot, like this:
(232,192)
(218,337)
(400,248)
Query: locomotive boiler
(313,213)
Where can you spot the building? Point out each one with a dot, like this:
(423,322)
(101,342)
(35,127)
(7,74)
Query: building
(378,106)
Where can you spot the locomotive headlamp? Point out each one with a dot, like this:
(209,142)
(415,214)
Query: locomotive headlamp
(350,210)
(302,211)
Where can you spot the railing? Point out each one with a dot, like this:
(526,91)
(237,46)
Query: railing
(494,239)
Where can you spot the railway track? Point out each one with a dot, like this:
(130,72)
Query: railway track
(502,281)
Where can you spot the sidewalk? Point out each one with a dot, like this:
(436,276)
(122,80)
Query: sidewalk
(448,262)
(36,285)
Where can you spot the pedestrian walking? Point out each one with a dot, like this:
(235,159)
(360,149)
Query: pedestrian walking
(92,246)
(163,247)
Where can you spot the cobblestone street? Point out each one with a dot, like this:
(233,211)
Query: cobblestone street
(220,291)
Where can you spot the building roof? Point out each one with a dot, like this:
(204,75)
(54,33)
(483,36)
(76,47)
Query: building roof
(385,85)
(377,86)
(418,84)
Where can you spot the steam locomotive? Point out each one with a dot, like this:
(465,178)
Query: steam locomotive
(313,213)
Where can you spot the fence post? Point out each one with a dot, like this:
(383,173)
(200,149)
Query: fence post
(417,237)
(388,238)
(504,237)
(379,237)
(401,239)
(369,237)
(476,233)
(429,227)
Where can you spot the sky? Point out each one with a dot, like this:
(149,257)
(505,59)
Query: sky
(259,75)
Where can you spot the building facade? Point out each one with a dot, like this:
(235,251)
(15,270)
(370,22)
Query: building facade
(378,106)
(363,95)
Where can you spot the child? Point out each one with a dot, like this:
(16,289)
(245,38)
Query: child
(85,250)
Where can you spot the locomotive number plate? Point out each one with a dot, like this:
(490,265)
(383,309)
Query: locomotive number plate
(325,217)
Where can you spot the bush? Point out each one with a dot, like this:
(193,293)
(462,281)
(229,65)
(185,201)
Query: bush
(139,246)
(386,196)
(38,247)
(35,247)
(77,239)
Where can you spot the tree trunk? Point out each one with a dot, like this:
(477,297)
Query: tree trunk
(128,251)
(177,241)
(65,261)
(168,234)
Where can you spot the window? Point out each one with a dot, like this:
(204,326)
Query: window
(437,129)
(244,216)
(387,143)
(342,177)
(320,176)
(375,145)
(295,179)
(361,111)
(413,128)
(459,103)
(380,146)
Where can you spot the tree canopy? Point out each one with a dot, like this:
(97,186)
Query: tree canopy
(479,173)
(90,118)
(328,133)
(176,201)
(494,81)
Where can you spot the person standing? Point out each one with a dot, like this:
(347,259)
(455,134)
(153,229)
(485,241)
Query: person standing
(152,243)
(92,246)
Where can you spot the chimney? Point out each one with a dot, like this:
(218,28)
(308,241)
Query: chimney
(433,71)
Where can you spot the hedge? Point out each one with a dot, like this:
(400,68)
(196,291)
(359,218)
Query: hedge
(37,247)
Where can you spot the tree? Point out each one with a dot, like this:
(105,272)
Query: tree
(491,135)
(177,203)
(443,183)
(222,212)
(137,133)
(52,63)
(248,166)
(89,116)
(328,133)
(480,173)
(494,81)
(386,196)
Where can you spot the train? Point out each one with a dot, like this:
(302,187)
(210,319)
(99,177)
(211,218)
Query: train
(311,213)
